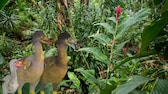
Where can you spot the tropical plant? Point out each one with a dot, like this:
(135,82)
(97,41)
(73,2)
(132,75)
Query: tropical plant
(118,53)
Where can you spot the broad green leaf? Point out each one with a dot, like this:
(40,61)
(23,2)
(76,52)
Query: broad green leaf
(128,22)
(161,87)
(26,88)
(112,19)
(102,38)
(132,83)
(74,79)
(138,92)
(3,3)
(165,6)
(89,75)
(107,27)
(151,32)
(97,53)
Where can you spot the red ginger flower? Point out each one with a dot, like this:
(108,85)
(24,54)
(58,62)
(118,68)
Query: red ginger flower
(124,50)
(118,11)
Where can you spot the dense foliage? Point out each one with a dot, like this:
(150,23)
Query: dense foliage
(128,55)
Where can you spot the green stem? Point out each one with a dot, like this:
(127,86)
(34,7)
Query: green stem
(144,85)
(87,64)
(154,84)
(111,50)
(114,36)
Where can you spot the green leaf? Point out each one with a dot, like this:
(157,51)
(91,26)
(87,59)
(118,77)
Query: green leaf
(128,22)
(89,75)
(112,19)
(119,47)
(161,87)
(107,90)
(132,83)
(165,6)
(1,59)
(26,88)
(138,55)
(3,3)
(97,53)
(50,52)
(64,83)
(74,79)
(102,38)
(151,32)
(107,27)
(138,92)
(48,88)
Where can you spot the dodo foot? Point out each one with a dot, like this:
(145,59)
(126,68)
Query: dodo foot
(32,92)
(54,92)
(19,92)
(41,92)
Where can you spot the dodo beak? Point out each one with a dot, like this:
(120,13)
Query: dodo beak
(71,43)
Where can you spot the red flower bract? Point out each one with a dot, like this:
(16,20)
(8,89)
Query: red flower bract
(118,11)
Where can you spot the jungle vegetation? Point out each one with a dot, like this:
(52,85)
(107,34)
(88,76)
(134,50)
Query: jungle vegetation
(124,55)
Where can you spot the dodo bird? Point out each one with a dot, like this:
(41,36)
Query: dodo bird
(33,65)
(56,66)
(10,83)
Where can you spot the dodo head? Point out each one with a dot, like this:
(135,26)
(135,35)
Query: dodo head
(64,36)
(40,37)
(65,39)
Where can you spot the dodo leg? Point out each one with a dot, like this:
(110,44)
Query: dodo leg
(54,88)
(41,92)
(20,88)
(32,87)
(42,85)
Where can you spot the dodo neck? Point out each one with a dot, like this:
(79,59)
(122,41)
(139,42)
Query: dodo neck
(38,50)
(62,54)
